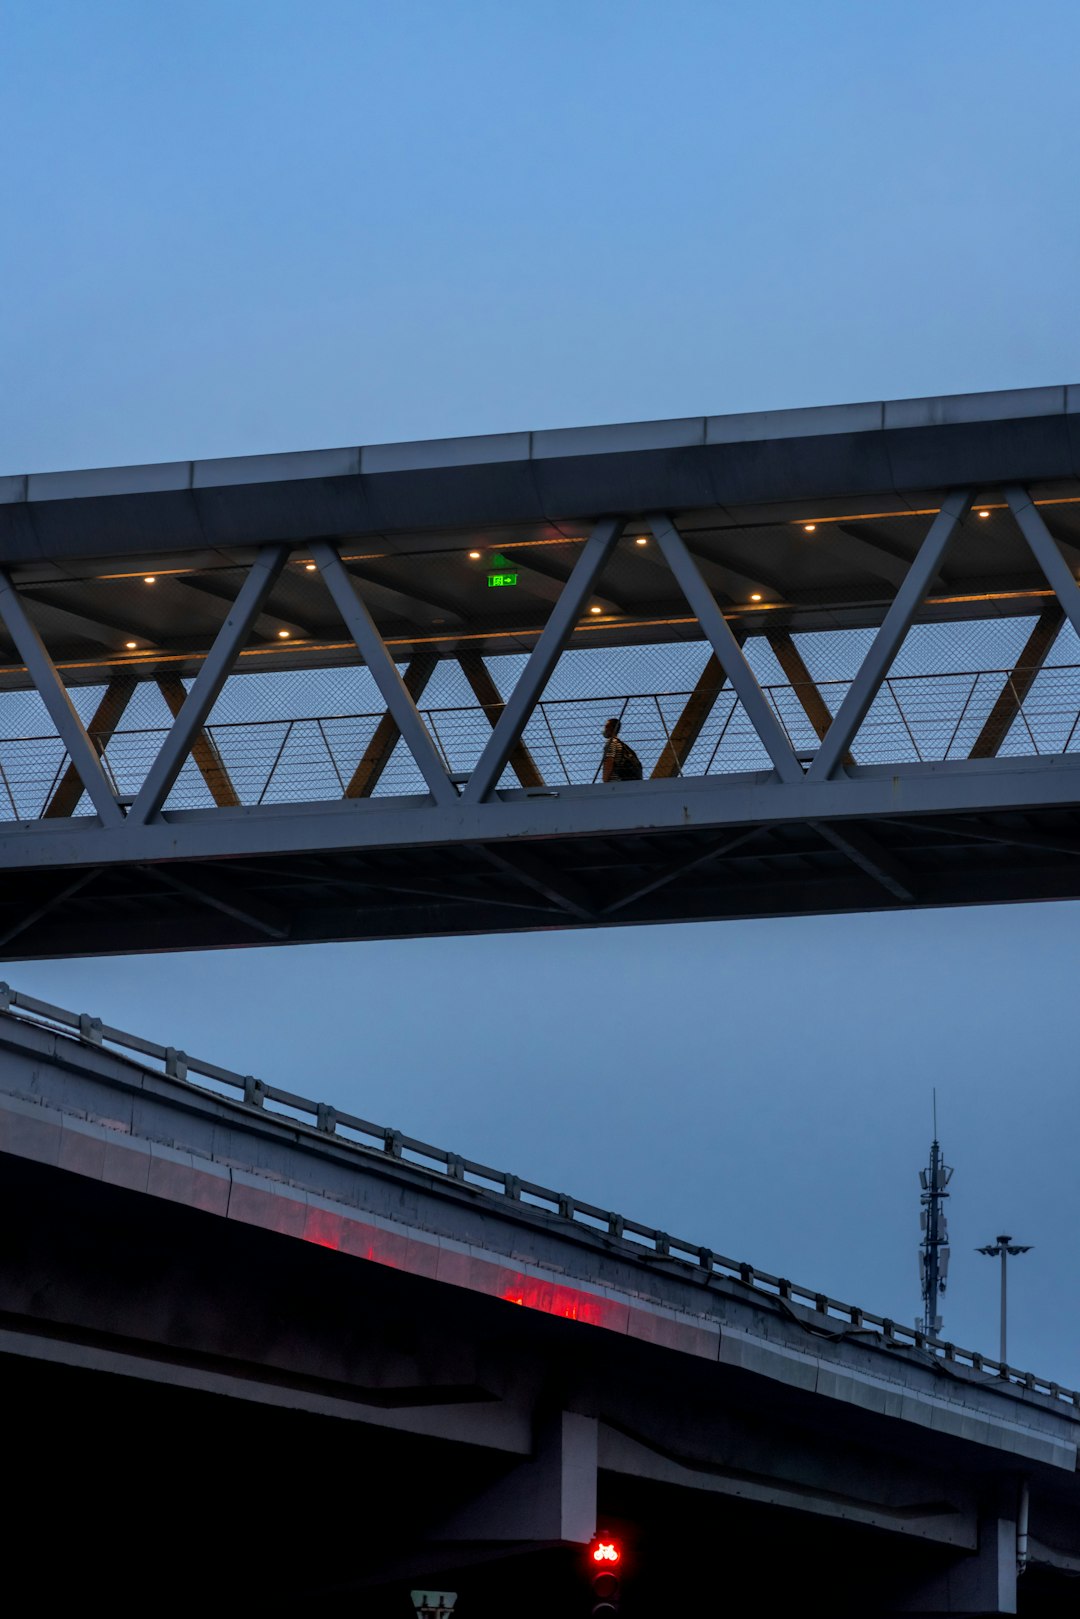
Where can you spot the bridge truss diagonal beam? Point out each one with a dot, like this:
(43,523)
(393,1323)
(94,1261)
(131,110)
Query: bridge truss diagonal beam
(1010,700)
(223,897)
(260,580)
(68,890)
(1046,552)
(387,735)
(682,868)
(864,851)
(61,710)
(688,727)
(803,684)
(706,610)
(886,643)
(104,721)
(561,889)
(204,751)
(487,694)
(372,648)
(543,658)
(1011,837)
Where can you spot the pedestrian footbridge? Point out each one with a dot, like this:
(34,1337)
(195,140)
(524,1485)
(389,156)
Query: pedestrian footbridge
(359,693)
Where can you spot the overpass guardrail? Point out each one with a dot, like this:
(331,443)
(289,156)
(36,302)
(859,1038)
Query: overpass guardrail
(816,1311)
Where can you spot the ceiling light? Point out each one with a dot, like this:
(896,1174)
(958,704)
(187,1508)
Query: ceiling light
(809,527)
(984,514)
(641,540)
(149,580)
(310,566)
(596,609)
(474,556)
(756,597)
(131,645)
(283,635)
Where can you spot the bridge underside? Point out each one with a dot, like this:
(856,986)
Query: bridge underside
(264,1506)
(362,692)
(322,1371)
(620,878)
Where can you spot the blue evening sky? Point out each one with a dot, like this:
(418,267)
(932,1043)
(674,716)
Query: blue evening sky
(232,227)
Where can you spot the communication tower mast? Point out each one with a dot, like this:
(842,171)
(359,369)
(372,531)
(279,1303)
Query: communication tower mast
(934,1249)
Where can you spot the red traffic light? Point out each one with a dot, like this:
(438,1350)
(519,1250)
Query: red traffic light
(605,1552)
(604,1562)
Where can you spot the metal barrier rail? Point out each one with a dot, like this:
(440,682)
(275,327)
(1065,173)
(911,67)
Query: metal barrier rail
(637,1241)
(924,717)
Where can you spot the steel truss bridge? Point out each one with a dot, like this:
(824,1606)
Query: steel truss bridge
(359,693)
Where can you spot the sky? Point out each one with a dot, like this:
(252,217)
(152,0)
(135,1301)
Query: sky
(237,227)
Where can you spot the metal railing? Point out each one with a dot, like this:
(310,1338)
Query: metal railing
(816,1311)
(918,717)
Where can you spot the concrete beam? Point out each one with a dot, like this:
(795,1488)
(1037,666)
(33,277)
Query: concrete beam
(550,1498)
(980,1584)
(798,1483)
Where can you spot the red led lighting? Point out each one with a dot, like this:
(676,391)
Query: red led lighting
(606,1551)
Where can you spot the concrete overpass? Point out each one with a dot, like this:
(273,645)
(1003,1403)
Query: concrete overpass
(257,1348)
(357,693)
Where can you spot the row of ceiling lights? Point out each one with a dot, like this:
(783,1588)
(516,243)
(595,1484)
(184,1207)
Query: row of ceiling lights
(475,556)
(151,579)
(641,539)
(809,528)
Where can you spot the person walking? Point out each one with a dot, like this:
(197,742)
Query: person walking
(620,762)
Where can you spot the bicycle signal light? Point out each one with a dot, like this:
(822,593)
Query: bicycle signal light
(606,1553)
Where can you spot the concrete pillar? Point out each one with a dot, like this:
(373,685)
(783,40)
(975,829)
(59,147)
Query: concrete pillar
(983,1583)
(549,1498)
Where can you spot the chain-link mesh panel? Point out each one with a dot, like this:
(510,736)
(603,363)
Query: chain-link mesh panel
(309,735)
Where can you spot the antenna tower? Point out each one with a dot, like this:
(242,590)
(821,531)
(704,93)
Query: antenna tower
(934,1248)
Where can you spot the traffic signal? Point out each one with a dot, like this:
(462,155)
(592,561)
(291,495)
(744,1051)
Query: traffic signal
(605,1562)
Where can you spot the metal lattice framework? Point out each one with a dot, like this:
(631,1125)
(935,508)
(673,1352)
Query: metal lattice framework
(795,767)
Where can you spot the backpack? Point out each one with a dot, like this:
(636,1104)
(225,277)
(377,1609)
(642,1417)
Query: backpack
(626,765)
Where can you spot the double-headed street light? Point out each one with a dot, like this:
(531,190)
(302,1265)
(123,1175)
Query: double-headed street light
(1004,1246)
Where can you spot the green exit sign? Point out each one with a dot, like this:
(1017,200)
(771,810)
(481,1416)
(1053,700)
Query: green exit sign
(500,579)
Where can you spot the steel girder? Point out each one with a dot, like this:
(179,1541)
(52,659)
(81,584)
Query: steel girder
(816,832)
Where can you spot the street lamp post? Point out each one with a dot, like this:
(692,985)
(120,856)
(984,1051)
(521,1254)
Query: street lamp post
(1004,1246)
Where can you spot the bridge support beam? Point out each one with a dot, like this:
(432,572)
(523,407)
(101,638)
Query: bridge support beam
(196,706)
(543,658)
(376,757)
(729,654)
(550,1497)
(982,1584)
(395,694)
(886,644)
(61,710)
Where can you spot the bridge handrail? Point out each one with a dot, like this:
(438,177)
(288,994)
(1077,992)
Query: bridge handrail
(588,698)
(648,1241)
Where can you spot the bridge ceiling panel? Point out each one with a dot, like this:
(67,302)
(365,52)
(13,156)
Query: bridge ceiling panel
(821,574)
